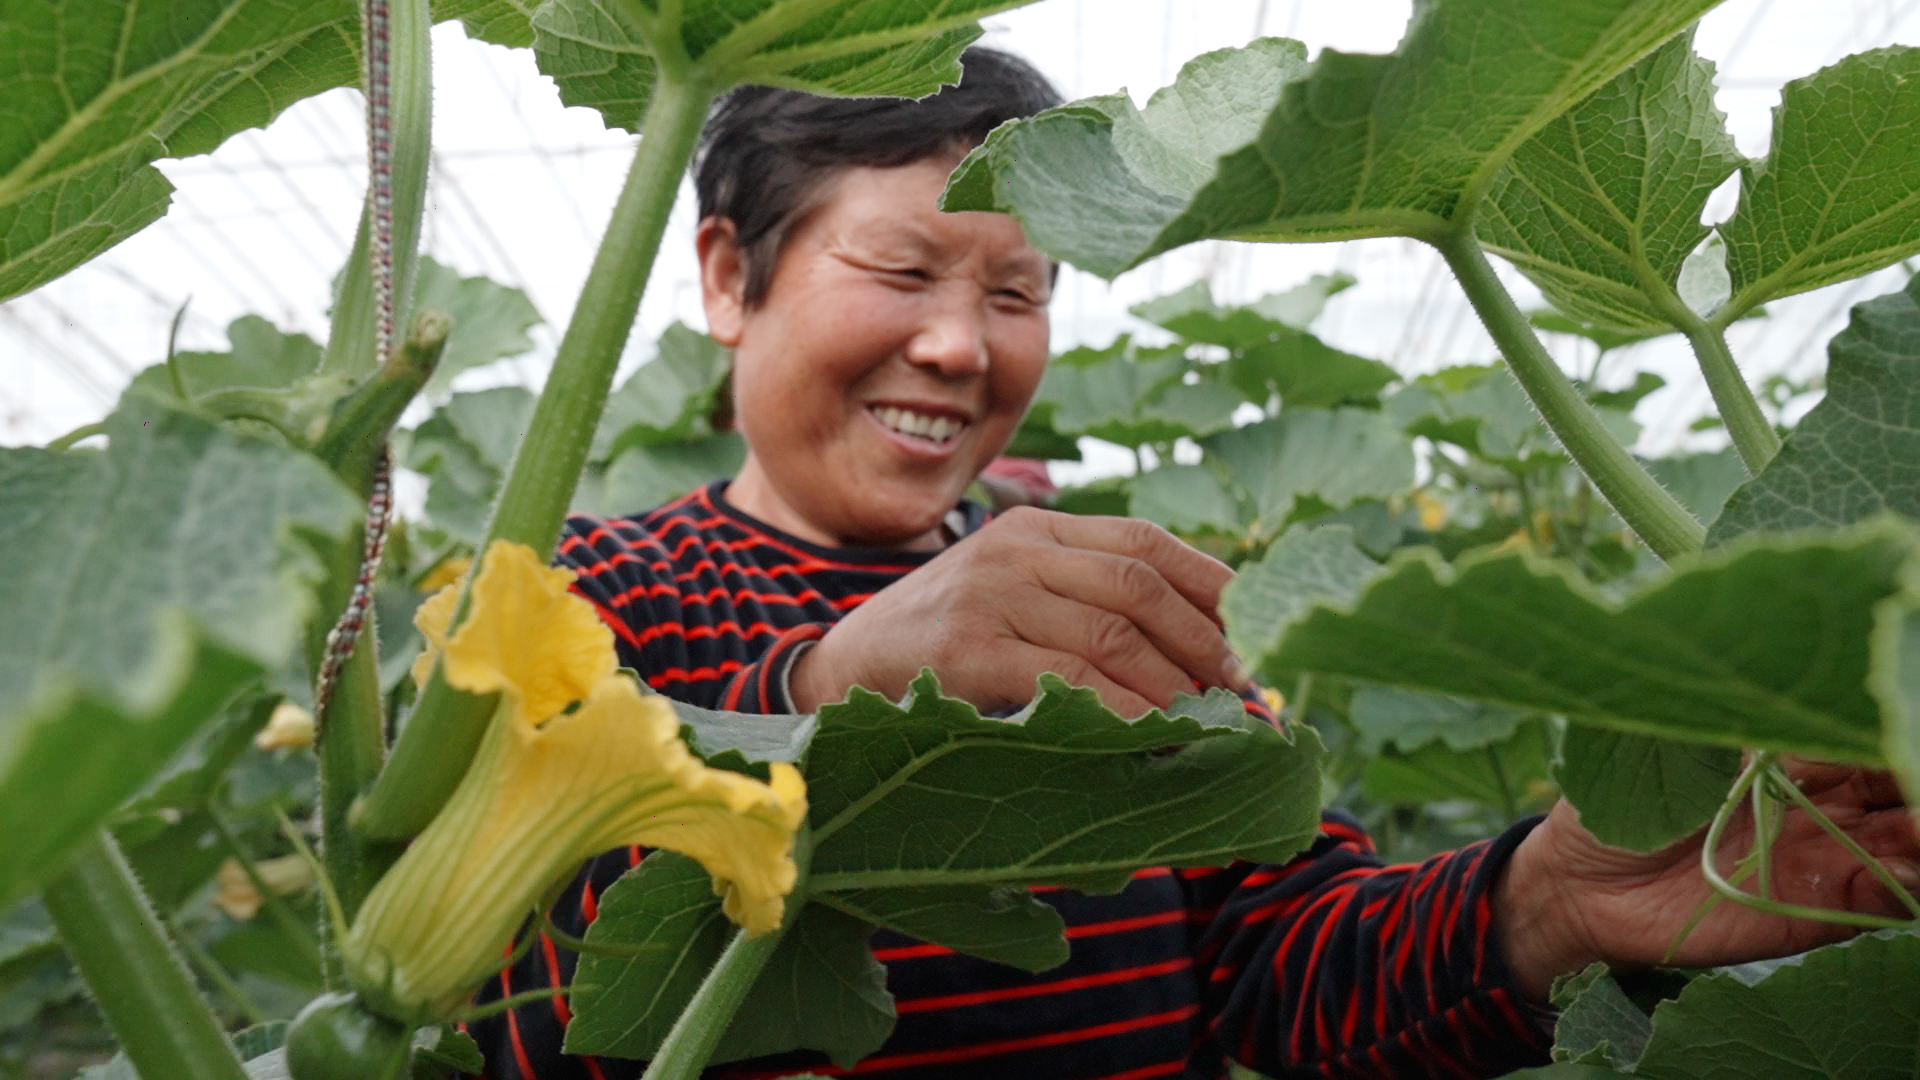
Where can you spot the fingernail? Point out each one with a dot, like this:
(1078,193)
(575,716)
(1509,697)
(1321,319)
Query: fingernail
(1236,671)
(1904,871)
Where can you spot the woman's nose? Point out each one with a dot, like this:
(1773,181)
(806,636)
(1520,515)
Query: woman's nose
(953,341)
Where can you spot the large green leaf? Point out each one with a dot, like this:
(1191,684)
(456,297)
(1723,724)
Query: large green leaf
(648,476)
(1314,459)
(490,321)
(671,397)
(1005,924)
(1305,567)
(1389,716)
(1131,399)
(1845,1012)
(1602,206)
(50,232)
(1405,144)
(602,55)
(931,820)
(1509,775)
(1858,452)
(1599,1024)
(1193,315)
(1768,644)
(1063,791)
(1837,195)
(1640,792)
(93,96)
(465,448)
(822,990)
(1185,499)
(146,585)
(1307,373)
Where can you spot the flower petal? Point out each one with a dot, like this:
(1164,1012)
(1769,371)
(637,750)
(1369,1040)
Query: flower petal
(536,803)
(431,618)
(527,635)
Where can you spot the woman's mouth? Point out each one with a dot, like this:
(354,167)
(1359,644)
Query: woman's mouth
(933,430)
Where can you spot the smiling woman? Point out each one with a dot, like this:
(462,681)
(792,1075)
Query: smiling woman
(884,353)
(891,358)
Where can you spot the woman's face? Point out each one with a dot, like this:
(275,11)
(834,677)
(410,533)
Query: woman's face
(891,359)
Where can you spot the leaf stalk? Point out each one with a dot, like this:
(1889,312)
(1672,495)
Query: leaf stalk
(1753,436)
(1648,508)
(688,1046)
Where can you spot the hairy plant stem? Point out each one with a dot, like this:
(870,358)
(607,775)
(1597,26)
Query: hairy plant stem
(146,993)
(1753,437)
(1647,508)
(690,1043)
(440,738)
(351,348)
(352,725)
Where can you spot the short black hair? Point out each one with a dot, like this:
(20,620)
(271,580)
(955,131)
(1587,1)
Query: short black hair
(766,154)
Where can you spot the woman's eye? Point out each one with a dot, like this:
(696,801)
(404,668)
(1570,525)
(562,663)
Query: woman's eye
(913,274)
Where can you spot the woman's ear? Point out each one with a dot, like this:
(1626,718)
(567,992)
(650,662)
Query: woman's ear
(723,279)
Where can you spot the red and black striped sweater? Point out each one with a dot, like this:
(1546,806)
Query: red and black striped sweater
(1330,966)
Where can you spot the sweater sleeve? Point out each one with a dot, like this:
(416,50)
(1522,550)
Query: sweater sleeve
(1336,966)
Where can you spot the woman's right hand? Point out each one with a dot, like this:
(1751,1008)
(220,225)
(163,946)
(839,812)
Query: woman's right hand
(1115,604)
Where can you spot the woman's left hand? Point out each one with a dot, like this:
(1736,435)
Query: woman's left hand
(1568,900)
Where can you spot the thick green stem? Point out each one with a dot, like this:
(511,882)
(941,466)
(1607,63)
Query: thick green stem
(350,341)
(352,731)
(148,996)
(688,1046)
(446,727)
(1753,436)
(1639,499)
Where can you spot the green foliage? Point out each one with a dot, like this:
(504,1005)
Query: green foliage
(1858,452)
(607,59)
(1352,146)
(111,662)
(671,399)
(1841,1012)
(1766,645)
(1835,197)
(1599,1024)
(1641,792)
(490,321)
(925,818)
(1602,207)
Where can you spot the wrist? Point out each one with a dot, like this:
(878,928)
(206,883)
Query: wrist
(1537,920)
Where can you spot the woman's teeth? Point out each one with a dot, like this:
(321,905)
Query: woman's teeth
(933,428)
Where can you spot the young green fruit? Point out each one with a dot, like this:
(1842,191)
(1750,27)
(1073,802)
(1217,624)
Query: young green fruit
(337,1038)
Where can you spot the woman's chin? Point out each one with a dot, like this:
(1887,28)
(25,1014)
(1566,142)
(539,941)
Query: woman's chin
(907,521)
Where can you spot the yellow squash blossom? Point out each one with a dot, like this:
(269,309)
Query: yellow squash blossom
(577,761)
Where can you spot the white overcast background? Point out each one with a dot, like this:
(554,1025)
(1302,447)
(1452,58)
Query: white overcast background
(521,188)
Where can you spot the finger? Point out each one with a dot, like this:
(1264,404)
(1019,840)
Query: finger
(1134,590)
(1034,660)
(1193,574)
(1106,640)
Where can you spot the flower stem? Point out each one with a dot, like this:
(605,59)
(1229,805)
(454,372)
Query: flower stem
(447,725)
(688,1046)
(1753,436)
(1648,508)
(148,996)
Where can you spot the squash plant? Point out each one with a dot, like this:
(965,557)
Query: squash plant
(269,472)
(1579,142)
